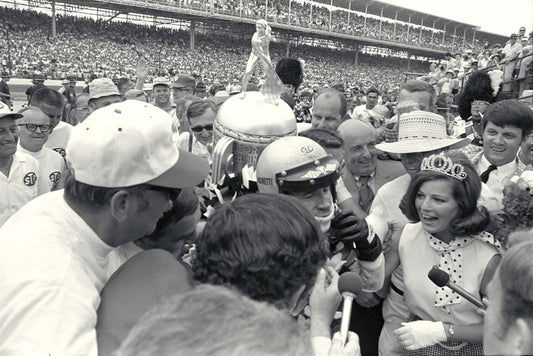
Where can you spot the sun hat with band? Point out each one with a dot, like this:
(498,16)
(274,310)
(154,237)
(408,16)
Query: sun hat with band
(421,131)
(130,143)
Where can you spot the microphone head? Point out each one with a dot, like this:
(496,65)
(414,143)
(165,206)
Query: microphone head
(350,282)
(438,276)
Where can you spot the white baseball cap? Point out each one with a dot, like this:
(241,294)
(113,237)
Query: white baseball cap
(130,143)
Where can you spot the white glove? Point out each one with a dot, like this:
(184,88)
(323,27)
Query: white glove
(421,333)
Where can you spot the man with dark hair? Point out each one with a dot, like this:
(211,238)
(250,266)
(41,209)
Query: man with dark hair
(38,83)
(183,85)
(52,103)
(506,124)
(360,111)
(329,110)
(125,173)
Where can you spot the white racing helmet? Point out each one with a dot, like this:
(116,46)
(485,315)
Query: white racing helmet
(295,163)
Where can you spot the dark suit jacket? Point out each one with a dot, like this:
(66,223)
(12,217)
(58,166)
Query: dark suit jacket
(386,170)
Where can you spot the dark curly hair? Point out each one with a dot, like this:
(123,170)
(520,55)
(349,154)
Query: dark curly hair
(265,245)
(470,219)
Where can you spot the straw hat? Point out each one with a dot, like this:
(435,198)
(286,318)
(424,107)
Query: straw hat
(421,131)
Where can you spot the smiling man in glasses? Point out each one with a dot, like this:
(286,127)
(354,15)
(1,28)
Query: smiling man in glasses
(200,116)
(59,250)
(20,176)
(34,130)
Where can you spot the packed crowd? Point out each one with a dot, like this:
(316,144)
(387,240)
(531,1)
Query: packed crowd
(317,16)
(164,216)
(115,47)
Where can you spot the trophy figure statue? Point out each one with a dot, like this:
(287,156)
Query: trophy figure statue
(272,87)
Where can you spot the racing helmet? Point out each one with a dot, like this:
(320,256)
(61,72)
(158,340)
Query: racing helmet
(297,164)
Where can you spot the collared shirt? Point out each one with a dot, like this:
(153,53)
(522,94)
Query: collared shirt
(24,183)
(499,177)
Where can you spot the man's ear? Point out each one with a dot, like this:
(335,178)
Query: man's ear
(121,205)
(301,293)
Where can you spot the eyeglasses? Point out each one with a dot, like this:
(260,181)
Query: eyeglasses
(33,127)
(200,128)
(173,194)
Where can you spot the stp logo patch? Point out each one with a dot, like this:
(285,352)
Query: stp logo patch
(54,177)
(30,179)
(60,151)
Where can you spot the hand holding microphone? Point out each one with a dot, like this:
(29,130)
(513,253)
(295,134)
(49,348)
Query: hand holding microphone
(350,284)
(442,279)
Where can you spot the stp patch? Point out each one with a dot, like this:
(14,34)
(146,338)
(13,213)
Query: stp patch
(30,179)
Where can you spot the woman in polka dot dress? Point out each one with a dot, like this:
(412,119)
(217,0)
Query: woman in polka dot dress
(446,230)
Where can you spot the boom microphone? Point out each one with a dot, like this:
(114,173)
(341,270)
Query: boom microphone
(441,279)
(350,284)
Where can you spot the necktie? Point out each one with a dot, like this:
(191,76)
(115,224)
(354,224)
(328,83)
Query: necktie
(366,195)
(485,175)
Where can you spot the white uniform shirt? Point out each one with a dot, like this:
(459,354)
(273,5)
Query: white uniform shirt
(59,137)
(24,183)
(359,111)
(51,164)
(53,267)
(197,148)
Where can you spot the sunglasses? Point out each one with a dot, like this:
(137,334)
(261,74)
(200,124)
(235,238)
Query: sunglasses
(33,127)
(208,127)
(173,194)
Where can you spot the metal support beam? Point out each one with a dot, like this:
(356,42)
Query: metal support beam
(290,1)
(192,35)
(330,13)
(54,32)
(349,11)
(474,35)
(266,10)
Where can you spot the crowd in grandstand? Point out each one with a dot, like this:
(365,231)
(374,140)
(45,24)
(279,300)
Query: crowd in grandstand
(175,206)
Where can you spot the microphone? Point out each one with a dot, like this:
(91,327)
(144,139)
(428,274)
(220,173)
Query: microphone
(350,284)
(441,279)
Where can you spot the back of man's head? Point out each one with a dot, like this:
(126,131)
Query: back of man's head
(214,320)
(49,97)
(335,94)
(268,246)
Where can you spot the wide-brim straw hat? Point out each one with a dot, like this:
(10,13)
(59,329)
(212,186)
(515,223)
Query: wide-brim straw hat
(421,131)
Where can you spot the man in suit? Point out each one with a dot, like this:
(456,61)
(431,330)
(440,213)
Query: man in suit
(363,175)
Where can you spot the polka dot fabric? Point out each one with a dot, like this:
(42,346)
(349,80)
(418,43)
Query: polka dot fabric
(451,262)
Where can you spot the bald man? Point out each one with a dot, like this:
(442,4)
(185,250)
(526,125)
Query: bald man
(363,174)
(329,110)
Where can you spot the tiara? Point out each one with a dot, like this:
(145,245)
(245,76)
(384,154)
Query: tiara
(442,164)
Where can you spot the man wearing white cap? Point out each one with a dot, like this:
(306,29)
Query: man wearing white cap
(125,172)
(20,176)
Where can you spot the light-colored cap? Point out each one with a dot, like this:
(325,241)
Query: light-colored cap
(130,143)
(101,87)
(421,131)
(5,111)
(160,81)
